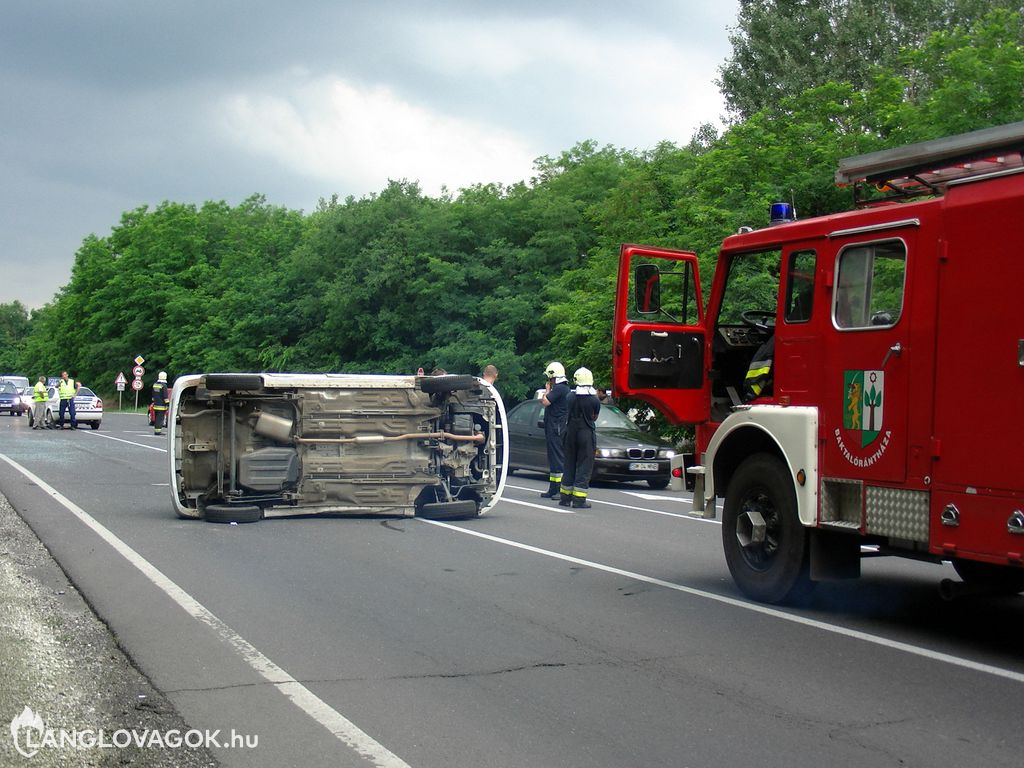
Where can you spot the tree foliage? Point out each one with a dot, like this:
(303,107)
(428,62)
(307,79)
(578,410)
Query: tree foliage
(780,48)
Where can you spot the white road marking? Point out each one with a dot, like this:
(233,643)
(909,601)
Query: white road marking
(342,728)
(118,439)
(681,515)
(775,613)
(545,507)
(674,497)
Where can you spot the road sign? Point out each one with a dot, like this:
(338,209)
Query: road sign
(121,380)
(136,384)
(140,360)
(138,371)
(120,387)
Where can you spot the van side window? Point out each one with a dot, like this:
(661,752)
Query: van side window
(799,286)
(869,288)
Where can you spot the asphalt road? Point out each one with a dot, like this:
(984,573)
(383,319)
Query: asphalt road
(533,637)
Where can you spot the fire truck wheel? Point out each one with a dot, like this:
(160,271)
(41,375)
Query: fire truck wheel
(987,577)
(765,544)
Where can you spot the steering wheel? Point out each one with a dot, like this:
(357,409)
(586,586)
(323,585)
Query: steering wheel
(760,319)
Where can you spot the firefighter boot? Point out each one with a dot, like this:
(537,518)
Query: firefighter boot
(580,502)
(565,498)
(553,490)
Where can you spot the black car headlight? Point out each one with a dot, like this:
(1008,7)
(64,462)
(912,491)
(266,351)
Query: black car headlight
(610,453)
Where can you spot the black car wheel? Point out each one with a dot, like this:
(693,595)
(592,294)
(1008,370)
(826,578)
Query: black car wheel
(232,513)
(448,383)
(249,382)
(449,510)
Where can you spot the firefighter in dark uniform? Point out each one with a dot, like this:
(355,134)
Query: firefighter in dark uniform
(758,381)
(159,402)
(556,391)
(580,441)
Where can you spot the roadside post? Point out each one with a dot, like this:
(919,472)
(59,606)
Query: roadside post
(138,372)
(119,382)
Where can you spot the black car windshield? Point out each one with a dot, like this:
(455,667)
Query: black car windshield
(612,418)
(6,388)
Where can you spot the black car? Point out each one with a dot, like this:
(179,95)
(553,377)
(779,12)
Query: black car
(623,451)
(11,401)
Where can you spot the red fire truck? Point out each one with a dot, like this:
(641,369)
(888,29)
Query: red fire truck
(856,380)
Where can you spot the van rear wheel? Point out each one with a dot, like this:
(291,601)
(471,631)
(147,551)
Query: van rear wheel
(232,513)
(446,383)
(766,546)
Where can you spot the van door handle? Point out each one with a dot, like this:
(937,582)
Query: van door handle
(660,334)
(895,349)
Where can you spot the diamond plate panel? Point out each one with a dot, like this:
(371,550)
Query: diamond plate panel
(897,513)
(841,501)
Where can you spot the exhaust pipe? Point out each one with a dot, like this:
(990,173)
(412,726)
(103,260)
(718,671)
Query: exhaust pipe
(950,590)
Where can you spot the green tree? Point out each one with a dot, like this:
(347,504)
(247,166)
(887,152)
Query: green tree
(14,329)
(780,48)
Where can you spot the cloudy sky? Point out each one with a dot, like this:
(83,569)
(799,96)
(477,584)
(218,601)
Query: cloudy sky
(112,104)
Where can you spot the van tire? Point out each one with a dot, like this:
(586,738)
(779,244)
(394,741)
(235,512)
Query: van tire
(449,510)
(248,382)
(447,383)
(776,570)
(232,513)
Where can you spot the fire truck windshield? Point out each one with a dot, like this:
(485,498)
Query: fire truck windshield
(752,284)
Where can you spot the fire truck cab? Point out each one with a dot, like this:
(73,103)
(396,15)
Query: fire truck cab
(855,379)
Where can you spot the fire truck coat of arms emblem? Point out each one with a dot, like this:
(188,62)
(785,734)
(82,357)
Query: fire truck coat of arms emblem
(863,404)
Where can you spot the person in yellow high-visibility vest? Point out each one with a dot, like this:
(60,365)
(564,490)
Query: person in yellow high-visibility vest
(39,404)
(159,402)
(67,389)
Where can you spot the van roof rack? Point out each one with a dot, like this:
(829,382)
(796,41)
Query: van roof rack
(926,168)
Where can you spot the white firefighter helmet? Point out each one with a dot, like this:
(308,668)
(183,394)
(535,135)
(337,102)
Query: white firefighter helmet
(555,370)
(583,377)
(162,376)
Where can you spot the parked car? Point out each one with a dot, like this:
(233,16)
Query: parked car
(245,446)
(12,401)
(623,451)
(88,408)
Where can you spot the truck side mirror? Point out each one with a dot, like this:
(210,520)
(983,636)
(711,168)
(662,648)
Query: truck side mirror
(647,289)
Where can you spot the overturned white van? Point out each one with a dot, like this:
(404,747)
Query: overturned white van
(245,446)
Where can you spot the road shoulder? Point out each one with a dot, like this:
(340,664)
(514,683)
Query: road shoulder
(62,663)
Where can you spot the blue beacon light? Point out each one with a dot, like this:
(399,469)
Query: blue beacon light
(782,213)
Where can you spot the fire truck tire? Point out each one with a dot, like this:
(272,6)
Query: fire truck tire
(987,577)
(773,567)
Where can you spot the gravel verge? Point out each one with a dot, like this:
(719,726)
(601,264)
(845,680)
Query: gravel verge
(61,662)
